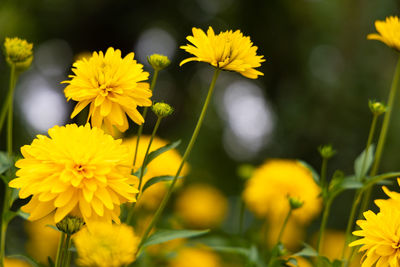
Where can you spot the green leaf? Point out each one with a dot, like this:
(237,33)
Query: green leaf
(232,250)
(152,155)
(161,236)
(5,162)
(314,174)
(53,227)
(292,261)
(158,179)
(360,170)
(307,251)
(350,183)
(137,173)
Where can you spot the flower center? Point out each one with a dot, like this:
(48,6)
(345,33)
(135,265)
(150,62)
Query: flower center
(81,170)
(104,90)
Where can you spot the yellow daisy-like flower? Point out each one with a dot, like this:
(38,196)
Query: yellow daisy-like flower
(227,51)
(380,236)
(201,206)
(78,170)
(196,257)
(106,245)
(267,190)
(389,32)
(112,85)
(165,164)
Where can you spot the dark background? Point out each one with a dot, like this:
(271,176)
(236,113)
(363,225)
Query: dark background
(320,72)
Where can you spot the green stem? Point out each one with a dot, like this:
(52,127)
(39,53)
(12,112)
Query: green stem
(67,251)
(284,226)
(140,130)
(358,195)
(383,133)
(184,158)
(131,211)
(59,255)
(9,97)
(323,224)
(10,110)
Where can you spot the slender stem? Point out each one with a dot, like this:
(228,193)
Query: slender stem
(9,97)
(59,255)
(383,133)
(324,166)
(323,223)
(284,226)
(184,158)
(358,194)
(140,130)
(131,210)
(10,110)
(67,255)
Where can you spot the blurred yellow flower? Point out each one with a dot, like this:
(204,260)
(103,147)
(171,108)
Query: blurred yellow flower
(227,51)
(201,206)
(267,190)
(112,85)
(11,262)
(18,52)
(42,240)
(195,257)
(165,164)
(106,245)
(79,170)
(380,234)
(389,32)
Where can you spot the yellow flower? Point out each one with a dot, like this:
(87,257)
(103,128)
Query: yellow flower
(292,236)
(106,245)
(267,190)
(201,206)
(389,32)
(195,257)
(165,164)
(42,240)
(380,237)
(112,85)
(227,51)
(18,52)
(77,170)
(11,262)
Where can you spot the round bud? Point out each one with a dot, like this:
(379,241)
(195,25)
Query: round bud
(162,109)
(158,62)
(18,52)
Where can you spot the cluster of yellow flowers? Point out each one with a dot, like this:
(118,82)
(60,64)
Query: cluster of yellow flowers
(83,171)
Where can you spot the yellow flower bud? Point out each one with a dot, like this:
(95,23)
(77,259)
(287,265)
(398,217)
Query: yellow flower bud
(18,52)
(162,109)
(377,108)
(158,62)
(70,224)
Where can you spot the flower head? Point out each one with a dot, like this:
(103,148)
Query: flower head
(162,109)
(380,237)
(77,170)
(112,85)
(228,50)
(389,32)
(165,164)
(201,206)
(267,190)
(70,224)
(195,257)
(106,245)
(158,62)
(18,52)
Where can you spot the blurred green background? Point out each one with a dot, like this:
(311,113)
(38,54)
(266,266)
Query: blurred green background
(320,72)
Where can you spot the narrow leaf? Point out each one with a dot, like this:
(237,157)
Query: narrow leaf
(158,179)
(152,155)
(307,251)
(314,174)
(359,169)
(5,162)
(162,236)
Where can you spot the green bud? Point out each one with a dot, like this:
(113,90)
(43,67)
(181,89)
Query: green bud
(158,62)
(295,203)
(162,109)
(18,52)
(245,171)
(70,224)
(377,108)
(326,151)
